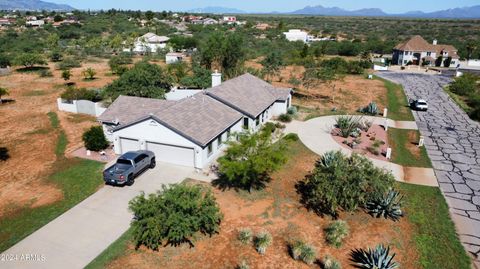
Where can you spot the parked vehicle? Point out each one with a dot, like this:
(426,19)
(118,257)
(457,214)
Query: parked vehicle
(419,104)
(128,166)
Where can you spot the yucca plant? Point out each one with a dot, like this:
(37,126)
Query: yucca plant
(245,236)
(308,254)
(371,109)
(243,265)
(330,263)
(335,232)
(262,241)
(387,206)
(296,249)
(377,258)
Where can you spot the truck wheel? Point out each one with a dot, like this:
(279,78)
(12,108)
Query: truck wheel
(130,180)
(153,163)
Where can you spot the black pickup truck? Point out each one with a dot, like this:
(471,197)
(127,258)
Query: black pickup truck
(128,166)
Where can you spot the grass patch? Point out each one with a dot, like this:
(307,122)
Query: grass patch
(61,144)
(54,121)
(115,250)
(78,118)
(35,93)
(397,102)
(459,100)
(434,232)
(405,150)
(77,179)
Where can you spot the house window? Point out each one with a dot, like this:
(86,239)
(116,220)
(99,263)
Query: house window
(245,123)
(219,141)
(429,53)
(228,133)
(209,149)
(406,52)
(257,121)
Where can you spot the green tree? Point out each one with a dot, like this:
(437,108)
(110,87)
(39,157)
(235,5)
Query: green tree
(233,55)
(174,216)
(89,73)
(4,61)
(66,74)
(52,41)
(143,80)
(304,52)
(29,60)
(465,85)
(340,182)
(3,92)
(118,64)
(273,63)
(248,162)
(95,139)
(116,43)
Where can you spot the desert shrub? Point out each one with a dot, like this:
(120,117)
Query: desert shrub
(72,93)
(335,232)
(56,56)
(269,127)
(95,139)
(294,81)
(365,125)
(345,184)
(243,265)
(45,73)
(378,258)
(118,64)
(4,154)
(295,249)
(262,241)
(248,162)
(347,125)
(66,74)
(68,63)
(29,60)
(387,206)
(285,118)
(4,60)
(292,110)
(299,250)
(245,236)
(291,137)
(465,84)
(174,216)
(331,263)
(278,125)
(89,73)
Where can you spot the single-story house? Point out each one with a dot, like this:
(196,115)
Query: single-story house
(35,23)
(192,131)
(418,51)
(148,43)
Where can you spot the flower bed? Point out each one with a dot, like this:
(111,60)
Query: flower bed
(372,143)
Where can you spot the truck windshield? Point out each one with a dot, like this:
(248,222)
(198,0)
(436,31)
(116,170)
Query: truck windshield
(123,161)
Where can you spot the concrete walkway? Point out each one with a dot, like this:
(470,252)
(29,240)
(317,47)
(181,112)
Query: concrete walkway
(453,144)
(78,236)
(316,135)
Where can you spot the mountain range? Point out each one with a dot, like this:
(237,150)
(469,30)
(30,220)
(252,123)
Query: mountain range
(32,5)
(454,13)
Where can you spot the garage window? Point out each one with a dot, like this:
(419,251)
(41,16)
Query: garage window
(219,144)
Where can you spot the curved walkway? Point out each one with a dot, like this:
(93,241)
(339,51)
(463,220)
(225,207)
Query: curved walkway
(316,135)
(453,144)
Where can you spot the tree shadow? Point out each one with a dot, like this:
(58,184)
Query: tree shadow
(224,183)
(32,69)
(6,101)
(4,154)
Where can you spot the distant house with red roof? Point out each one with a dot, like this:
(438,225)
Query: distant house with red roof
(417,51)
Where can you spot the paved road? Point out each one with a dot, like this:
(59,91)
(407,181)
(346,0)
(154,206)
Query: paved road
(453,144)
(79,235)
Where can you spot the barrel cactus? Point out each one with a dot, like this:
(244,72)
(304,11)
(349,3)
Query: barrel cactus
(377,258)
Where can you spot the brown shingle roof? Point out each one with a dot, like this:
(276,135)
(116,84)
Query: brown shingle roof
(246,93)
(417,43)
(126,109)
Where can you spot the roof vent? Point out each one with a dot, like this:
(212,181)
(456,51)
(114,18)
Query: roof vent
(216,79)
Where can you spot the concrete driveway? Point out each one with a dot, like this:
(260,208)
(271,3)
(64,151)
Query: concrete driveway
(79,235)
(453,144)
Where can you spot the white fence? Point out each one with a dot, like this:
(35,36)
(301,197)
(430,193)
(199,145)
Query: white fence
(380,68)
(81,107)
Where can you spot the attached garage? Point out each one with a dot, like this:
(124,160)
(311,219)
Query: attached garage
(172,154)
(128,144)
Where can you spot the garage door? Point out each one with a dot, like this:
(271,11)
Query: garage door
(172,154)
(128,144)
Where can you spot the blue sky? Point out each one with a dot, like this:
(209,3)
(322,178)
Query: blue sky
(269,5)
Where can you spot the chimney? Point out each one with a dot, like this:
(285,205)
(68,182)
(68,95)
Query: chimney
(434,42)
(216,79)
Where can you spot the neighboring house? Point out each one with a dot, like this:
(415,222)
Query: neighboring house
(229,19)
(192,131)
(296,35)
(173,57)
(209,21)
(35,23)
(7,22)
(262,26)
(417,51)
(149,43)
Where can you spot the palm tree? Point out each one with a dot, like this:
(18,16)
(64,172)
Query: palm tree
(3,91)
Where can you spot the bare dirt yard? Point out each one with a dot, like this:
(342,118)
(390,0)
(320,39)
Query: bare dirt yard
(351,93)
(27,133)
(277,210)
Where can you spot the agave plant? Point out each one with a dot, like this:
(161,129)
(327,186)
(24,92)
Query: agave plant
(245,236)
(328,159)
(262,241)
(347,124)
(371,109)
(330,263)
(377,258)
(335,232)
(387,206)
